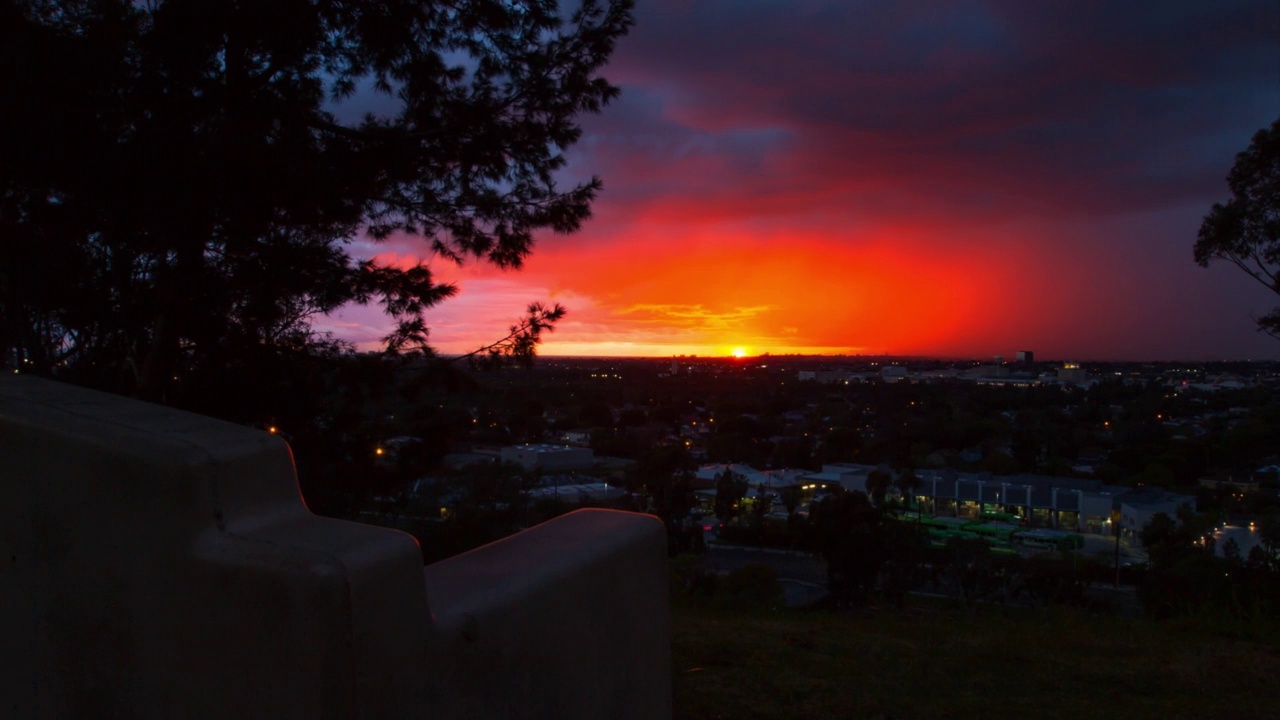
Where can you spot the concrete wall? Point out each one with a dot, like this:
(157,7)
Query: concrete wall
(561,623)
(155,563)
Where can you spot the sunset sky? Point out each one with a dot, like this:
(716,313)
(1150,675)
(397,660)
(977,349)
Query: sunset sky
(918,178)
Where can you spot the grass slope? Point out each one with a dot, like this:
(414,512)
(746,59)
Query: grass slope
(935,661)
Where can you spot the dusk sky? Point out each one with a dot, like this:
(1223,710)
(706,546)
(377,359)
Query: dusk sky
(917,178)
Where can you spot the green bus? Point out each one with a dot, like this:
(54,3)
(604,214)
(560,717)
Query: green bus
(1047,539)
(1000,517)
(1003,532)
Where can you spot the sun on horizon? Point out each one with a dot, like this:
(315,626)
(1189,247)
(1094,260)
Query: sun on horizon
(738,352)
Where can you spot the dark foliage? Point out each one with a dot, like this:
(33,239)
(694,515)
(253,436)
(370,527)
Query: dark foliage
(1246,230)
(730,489)
(1187,577)
(665,474)
(853,540)
(178,182)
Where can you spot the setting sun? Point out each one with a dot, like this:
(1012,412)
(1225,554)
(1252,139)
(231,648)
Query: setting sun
(739,352)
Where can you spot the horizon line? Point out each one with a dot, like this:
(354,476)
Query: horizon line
(989,359)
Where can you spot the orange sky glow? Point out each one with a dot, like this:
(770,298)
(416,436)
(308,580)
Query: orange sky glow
(699,293)
(968,181)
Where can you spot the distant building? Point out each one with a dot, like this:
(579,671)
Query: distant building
(1040,501)
(1008,380)
(993,374)
(576,437)
(580,492)
(1073,504)
(463,459)
(762,481)
(827,377)
(1137,507)
(392,449)
(1026,357)
(1073,373)
(707,476)
(850,476)
(1249,483)
(893,373)
(548,458)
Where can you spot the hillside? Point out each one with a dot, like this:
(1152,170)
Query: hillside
(939,661)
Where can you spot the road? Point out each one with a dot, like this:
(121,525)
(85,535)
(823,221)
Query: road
(1104,548)
(803,577)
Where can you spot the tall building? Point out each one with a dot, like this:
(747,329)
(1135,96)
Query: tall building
(1026,357)
(1073,373)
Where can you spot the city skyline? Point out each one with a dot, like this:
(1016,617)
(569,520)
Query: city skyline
(927,179)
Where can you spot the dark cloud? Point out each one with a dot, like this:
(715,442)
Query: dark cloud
(997,108)
(958,178)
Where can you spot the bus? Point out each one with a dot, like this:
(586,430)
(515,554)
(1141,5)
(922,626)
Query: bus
(1046,539)
(1002,532)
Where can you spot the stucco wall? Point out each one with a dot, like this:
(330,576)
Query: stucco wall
(155,563)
